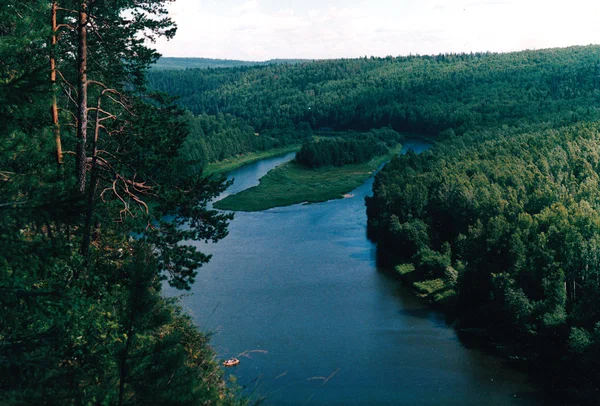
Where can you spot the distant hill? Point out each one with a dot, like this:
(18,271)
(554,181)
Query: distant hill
(422,94)
(205,63)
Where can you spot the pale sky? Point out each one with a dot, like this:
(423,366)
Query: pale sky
(320,29)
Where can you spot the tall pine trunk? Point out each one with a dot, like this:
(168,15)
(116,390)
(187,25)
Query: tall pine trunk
(82,88)
(54,109)
(91,192)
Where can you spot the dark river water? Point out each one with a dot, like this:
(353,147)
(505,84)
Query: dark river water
(296,295)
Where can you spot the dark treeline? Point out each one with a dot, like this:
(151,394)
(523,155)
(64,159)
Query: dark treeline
(502,214)
(423,94)
(88,157)
(214,138)
(350,149)
(165,63)
(509,220)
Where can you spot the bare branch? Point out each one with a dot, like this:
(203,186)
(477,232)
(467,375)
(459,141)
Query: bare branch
(67,26)
(95,29)
(67,93)
(109,91)
(5,176)
(108,115)
(94,82)
(65,80)
(67,9)
(105,163)
(138,187)
(123,105)
(71,113)
(14,204)
(132,195)
(113,187)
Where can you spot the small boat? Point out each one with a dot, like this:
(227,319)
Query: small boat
(231,362)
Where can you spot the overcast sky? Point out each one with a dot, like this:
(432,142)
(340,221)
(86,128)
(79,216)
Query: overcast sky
(317,29)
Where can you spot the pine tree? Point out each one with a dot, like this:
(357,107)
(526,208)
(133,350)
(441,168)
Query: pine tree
(82,316)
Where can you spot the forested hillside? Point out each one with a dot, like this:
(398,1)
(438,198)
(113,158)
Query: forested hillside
(502,216)
(499,222)
(424,94)
(88,158)
(165,63)
(214,138)
(508,225)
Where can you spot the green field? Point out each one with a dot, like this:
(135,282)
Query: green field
(229,164)
(293,183)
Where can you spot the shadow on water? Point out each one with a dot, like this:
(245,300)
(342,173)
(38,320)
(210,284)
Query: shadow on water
(296,292)
(422,313)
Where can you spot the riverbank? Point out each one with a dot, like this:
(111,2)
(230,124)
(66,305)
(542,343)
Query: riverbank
(439,292)
(293,183)
(521,306)
(230,164)
(303,267)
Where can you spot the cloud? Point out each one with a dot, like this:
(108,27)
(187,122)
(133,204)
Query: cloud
(250,5)
(324,29)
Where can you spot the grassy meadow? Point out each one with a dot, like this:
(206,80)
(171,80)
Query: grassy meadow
(293,183)
(230,164)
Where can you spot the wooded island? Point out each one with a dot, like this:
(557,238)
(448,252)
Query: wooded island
(103,186)
(498,222)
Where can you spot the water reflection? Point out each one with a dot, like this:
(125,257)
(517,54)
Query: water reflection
(295,293)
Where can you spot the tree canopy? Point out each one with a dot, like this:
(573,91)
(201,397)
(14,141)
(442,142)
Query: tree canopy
(508,220)
(83,320)
(424,94)
(352,148)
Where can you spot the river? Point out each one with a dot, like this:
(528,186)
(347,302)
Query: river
(296,295)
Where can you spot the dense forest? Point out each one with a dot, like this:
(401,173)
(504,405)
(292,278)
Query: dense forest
(164,63)
(214,138)
(446,95)
(88,159)
(503,211)
(501,216)
(510,222)
(423,94)
(349,149)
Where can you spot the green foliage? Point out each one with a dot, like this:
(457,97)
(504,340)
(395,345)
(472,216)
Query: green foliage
(579,340)
(93,327)
(404,269)
(207,63)
(229,164)
(347,150)
(217,138)
(293,183)
(431,263)
(444,95)
(512,215)
(422,94)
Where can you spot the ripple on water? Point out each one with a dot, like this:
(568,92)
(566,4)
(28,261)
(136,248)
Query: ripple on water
(294,292)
